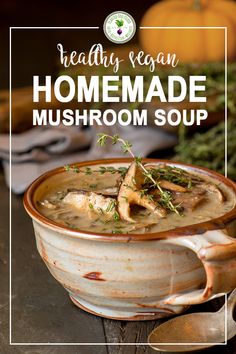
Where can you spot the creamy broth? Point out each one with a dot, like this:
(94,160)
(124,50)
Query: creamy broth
(53,206)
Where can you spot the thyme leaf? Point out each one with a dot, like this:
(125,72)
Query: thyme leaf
(116,216)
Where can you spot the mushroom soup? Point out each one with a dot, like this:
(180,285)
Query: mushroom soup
(121,199)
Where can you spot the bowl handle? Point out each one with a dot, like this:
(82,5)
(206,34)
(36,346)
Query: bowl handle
(217,251)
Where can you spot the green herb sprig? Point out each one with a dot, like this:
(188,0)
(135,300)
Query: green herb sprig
(126,146)
(172,174)
(102,170)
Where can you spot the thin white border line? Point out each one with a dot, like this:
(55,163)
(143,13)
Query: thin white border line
(85,27)
(226,319)
(115,344)
(184,27)
(226,103)
(10,215)
(10,201)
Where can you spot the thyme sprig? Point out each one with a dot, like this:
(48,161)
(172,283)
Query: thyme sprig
(172,174)
(165,196)
(102,170)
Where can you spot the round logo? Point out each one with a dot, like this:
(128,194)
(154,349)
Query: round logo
(119,27)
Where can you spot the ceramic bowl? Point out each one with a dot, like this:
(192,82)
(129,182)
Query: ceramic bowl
(137,276)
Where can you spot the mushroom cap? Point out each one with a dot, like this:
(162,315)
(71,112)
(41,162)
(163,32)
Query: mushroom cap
(130,193)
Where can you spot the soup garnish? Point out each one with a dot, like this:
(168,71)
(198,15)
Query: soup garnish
(123,199)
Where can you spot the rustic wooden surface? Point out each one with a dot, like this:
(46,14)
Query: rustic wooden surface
(42,311)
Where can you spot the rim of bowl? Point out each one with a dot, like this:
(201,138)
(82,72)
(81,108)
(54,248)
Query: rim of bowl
(199,228)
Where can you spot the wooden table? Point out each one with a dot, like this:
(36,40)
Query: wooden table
(42,311)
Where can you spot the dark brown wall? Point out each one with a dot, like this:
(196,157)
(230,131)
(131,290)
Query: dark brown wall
(42,44)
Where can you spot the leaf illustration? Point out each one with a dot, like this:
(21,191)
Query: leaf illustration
(119,23)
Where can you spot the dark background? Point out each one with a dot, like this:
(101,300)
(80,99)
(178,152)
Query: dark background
(42,44)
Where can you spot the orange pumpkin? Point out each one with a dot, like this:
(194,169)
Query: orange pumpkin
(190,45)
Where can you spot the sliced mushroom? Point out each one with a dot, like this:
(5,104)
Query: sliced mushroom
(130,193)
(111,191)
(89,201)
(212,188)
(48,204)
(191,200)
(172,186)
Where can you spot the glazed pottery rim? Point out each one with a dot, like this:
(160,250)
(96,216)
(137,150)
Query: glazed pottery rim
(199,228)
